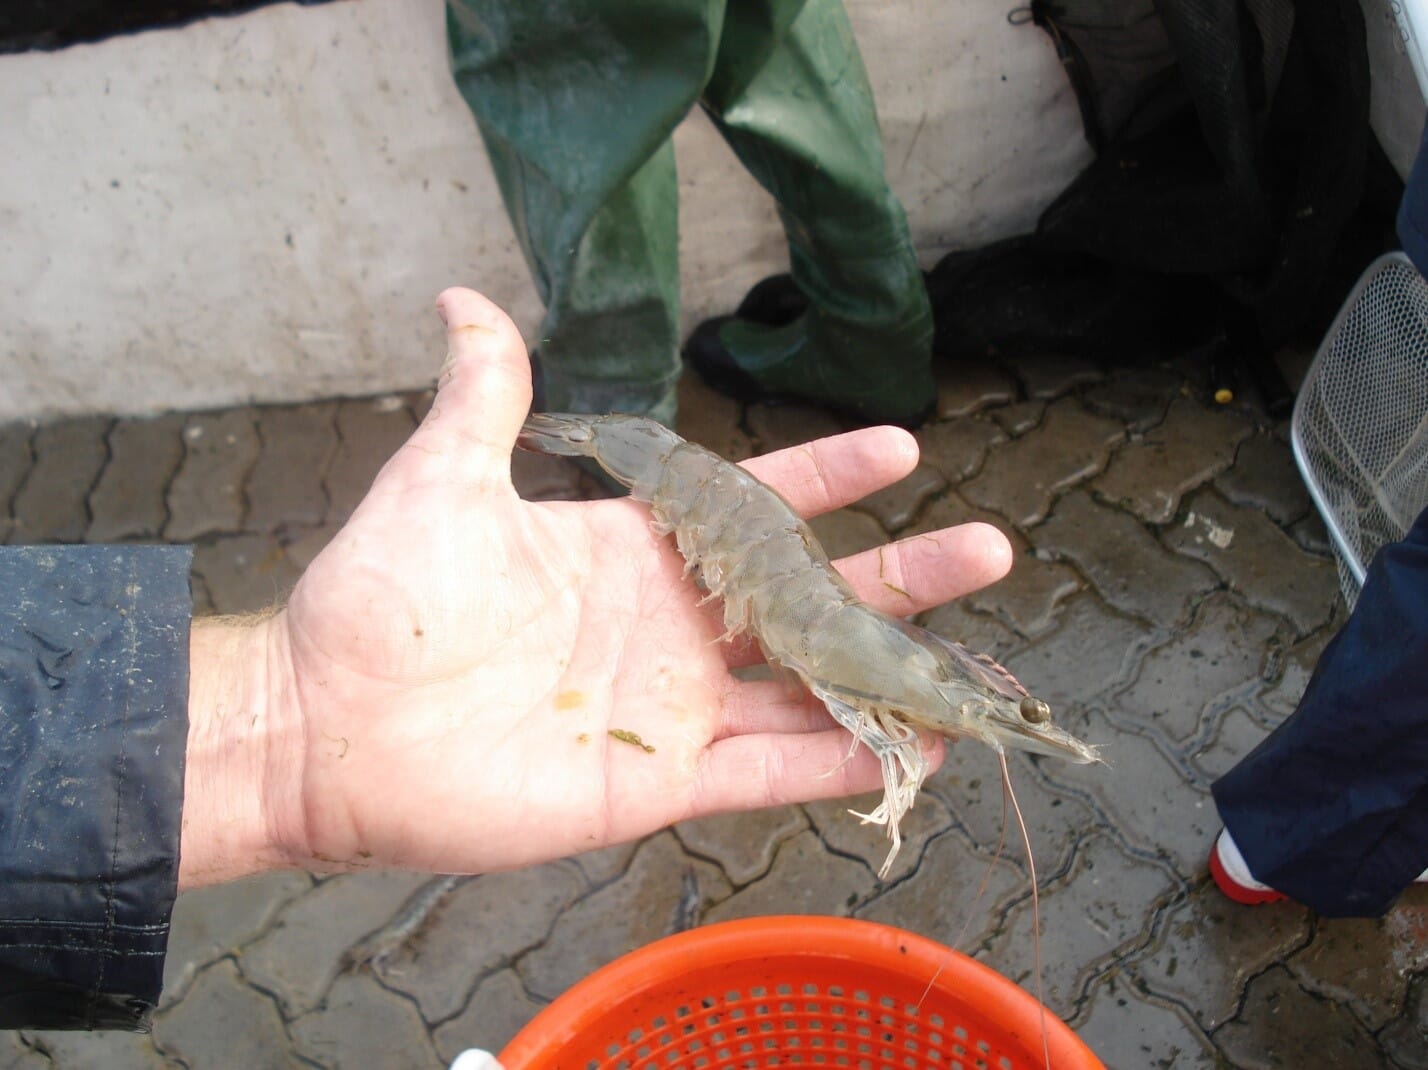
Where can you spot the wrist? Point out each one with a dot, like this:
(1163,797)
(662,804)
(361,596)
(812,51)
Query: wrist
(242,751)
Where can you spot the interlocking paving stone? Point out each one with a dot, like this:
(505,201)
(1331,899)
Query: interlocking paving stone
(945,900)
(1049,375)
(1021,478)
(847,834)
(1281,1026)
(952,509)
(498,1010)
(1224,650)
(847,531)
(1237,734)
(1265,477)
(1126,1029)
(1026,599)
(484,925)
(1209,948)
(1311,535)
(969,784)
(209,923)
(369,431)
(630,912)
(302,547)
(958,447)
(1029,597)
(1146,796)
(605,864)
(963,389)
(1405,1041)
(245,573)
(112,1050)
(1365,964)
(1084,932)
(711,419)
(206,495)
(50,505)
(223,1013)
(302,951)
(1137,397)
(285,487)
(1130,570)
(977,628)
(895,507)
(128,500)
(1151,473)
(1019,418)
(1406,929)
(743,844)
(1253,555)
(806,878)
(1092,649)
(361,1025)
(1282,694)
(778,426)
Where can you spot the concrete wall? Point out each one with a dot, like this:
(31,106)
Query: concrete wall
(262,207)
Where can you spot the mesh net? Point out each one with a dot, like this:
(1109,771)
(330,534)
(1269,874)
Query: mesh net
(1360,426)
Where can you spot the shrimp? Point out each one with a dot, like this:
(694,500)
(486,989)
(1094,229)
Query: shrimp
(880,677)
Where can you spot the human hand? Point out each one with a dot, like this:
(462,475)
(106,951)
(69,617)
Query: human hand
(439,692)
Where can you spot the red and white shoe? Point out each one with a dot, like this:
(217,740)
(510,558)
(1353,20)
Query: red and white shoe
(1233,876)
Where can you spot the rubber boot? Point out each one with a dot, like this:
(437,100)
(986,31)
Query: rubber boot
(576,103)
(790,95)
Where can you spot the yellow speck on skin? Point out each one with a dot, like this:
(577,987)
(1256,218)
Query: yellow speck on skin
(626,736)
(569,700)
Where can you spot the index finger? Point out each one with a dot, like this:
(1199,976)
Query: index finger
(829,473)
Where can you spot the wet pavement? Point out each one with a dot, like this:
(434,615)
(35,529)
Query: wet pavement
(1171,592)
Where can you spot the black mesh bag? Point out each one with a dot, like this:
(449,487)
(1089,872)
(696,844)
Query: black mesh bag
(1236,191)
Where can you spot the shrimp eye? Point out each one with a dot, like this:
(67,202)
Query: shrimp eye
(1034,711)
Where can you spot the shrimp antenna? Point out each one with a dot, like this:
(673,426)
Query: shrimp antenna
(976,899)
(1035,905)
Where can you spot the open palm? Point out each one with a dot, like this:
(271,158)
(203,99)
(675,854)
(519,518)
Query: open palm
(482,682)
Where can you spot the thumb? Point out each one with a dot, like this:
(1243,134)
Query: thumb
(482,395)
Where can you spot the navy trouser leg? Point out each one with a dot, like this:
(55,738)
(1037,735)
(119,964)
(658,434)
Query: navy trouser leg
(1332,808)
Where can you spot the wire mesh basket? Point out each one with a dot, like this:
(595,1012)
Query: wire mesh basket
(795,991)
(1360,426)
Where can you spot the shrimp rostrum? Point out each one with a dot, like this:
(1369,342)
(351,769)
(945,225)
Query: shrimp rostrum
(880,677)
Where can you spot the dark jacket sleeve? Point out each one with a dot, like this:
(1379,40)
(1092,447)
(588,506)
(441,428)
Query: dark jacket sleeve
(93,731)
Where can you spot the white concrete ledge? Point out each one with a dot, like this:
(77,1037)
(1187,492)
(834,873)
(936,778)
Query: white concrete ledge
(263,207)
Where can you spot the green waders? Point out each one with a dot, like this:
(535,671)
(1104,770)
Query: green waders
(576,102)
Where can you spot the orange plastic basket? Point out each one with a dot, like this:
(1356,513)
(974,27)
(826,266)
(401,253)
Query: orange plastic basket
(781,991)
